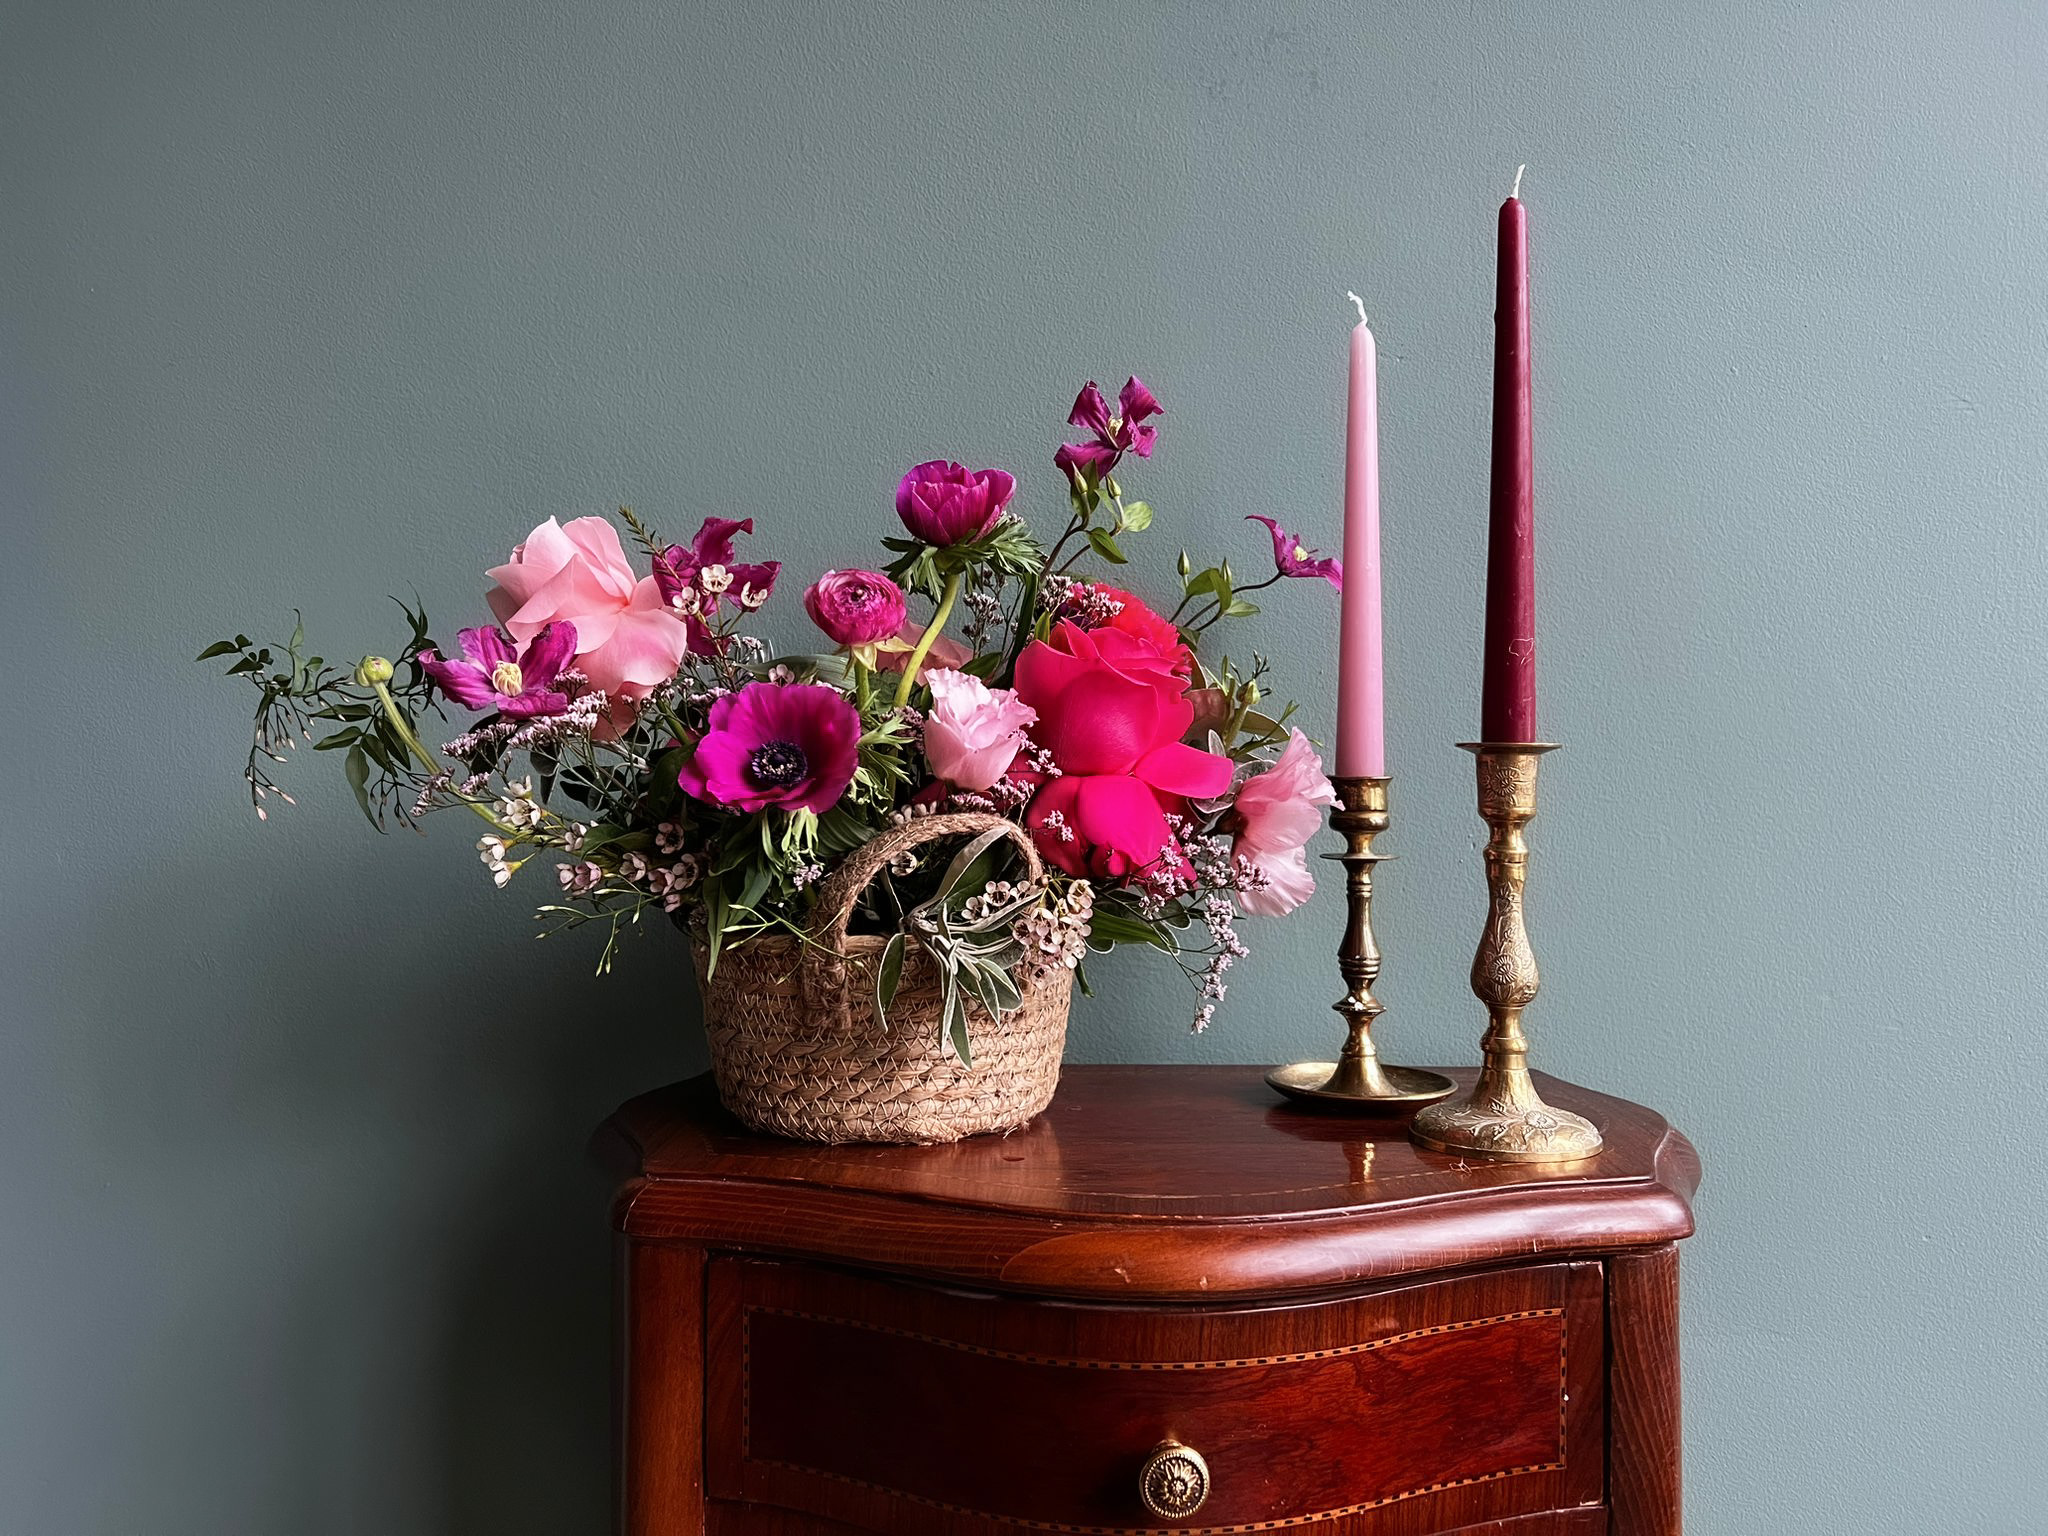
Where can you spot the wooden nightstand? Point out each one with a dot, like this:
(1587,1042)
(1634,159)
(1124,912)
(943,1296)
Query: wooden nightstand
(1354,1336)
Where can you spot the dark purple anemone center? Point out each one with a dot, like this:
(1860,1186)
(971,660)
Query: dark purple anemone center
(778,764)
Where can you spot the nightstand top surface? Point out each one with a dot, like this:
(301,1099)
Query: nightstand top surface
(1159,1160)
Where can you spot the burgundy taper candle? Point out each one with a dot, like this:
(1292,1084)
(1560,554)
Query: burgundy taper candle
(1507,708)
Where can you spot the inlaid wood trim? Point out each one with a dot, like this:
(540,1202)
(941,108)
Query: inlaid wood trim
(1023,1358)
(1285,1522)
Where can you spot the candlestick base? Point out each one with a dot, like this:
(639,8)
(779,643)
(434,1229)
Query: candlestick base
(1358,1080)
(1504,1118)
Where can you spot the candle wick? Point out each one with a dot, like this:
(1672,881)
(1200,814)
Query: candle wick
(1354,298)
(1518,181)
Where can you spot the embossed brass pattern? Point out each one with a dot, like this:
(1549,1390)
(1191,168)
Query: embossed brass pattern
(1175,1481)
(1358,1079)
(1505,1118)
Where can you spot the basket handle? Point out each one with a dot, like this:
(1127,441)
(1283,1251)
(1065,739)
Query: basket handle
(823,971)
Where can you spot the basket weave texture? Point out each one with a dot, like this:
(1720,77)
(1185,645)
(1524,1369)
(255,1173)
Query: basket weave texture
(797,1048)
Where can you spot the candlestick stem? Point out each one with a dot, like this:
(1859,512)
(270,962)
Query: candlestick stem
(1358,1077)
(1505,1118)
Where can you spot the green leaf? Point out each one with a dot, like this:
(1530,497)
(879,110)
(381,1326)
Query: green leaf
(889,974)
(357,767)
(1137,517)
(247,666)
(1105,546)
(956,1025)
(1108,927)
(338,740)
(1238,608)
(218,648)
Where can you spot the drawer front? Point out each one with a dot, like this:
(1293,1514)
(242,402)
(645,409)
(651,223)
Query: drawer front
(901,1408)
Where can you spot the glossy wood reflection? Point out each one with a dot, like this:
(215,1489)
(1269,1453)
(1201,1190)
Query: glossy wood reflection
(1361,1336)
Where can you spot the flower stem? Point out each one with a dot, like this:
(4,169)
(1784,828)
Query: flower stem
(931,633)
(427,759)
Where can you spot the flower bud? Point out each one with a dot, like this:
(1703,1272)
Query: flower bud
(371,671)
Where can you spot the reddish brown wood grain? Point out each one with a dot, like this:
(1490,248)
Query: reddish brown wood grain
(1154,1215)
(910,1409)
(1645,1481)
(661,1390)
(1187,1183)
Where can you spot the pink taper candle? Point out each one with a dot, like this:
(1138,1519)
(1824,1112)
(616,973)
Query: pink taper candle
(1361,697)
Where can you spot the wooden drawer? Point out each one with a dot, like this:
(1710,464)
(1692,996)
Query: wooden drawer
(873,1405)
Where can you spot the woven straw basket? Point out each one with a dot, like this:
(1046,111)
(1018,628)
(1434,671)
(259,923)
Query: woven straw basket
(798,1050)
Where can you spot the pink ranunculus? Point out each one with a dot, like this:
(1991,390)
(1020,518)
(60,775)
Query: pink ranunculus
(973,732)
(792,745)
(944,503)
(1276,813)
(855,607)
(629,642)
(1112,710)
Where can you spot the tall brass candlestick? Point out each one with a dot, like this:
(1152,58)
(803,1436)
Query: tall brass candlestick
(1358,1078)
(1505,1118)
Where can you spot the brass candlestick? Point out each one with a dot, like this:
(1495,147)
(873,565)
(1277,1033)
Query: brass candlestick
(1358,1079)
(1505,1118)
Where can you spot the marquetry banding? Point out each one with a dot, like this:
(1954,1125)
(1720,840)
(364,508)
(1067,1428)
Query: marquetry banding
(1155,1365)
(1284,1522)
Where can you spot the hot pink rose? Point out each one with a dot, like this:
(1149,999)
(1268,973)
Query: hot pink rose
(1138,618)
(855,607)
(1112,710)
(973,732)
(1277,812)
(629,642)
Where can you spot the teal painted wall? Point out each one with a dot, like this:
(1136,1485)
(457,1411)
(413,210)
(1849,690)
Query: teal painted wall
(313,304)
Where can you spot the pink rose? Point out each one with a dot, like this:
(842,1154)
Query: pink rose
(1112,710)
(973,732)
(1277,812)
(629,641)
(944,503)
(855,607)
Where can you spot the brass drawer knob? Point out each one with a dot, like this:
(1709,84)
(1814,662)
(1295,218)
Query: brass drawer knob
(1175,1480)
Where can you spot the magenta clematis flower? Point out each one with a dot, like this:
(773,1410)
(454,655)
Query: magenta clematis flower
(944,503)
(1295,558)
(1115,435)
(791,745)
(491,675)
(679,569)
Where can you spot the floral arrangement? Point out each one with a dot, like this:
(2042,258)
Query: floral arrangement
(621,720)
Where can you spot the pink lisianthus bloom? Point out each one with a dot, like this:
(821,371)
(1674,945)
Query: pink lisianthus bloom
(491,675)
(974,732)
(856,608)
(944,503)
(1112,710)
(628,642)
(1276,813)
(1291,557)
(791,745)
(1115,434)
